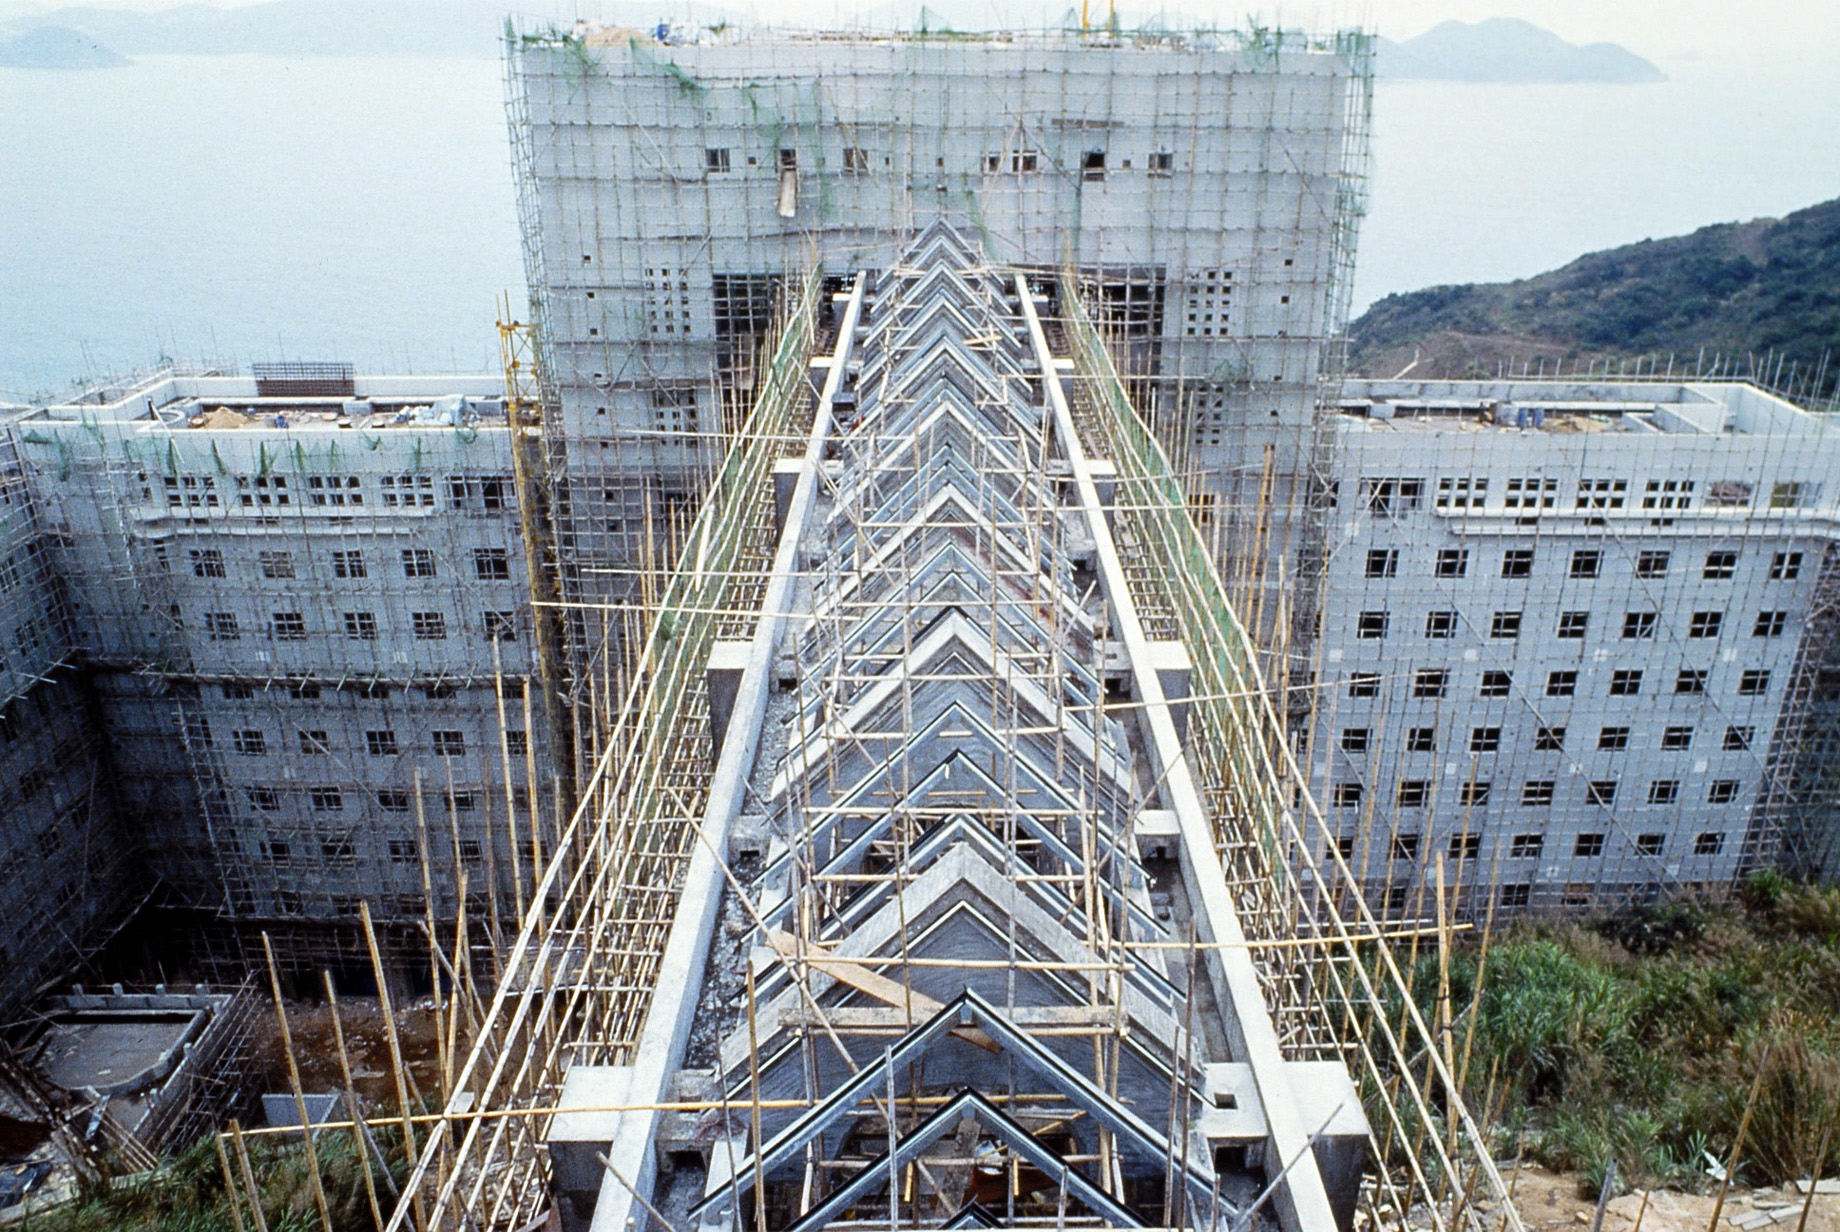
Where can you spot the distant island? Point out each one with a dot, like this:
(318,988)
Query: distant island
(1506,49)
(423,28)
(1500,49)
(1766,287)
(56,47)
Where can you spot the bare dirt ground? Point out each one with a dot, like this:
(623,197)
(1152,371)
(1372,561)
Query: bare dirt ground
(316,1051)
(1550,1201)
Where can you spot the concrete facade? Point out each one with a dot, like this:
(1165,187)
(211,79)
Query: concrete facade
(1207,187)
(279,610)
(1570,634)
(64,853)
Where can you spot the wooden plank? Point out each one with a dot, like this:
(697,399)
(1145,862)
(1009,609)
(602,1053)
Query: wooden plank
(863,980)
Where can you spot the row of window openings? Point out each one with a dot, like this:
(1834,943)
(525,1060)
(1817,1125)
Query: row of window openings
(489,564)
(1720,565)
(312,690)
(1624,682)
(253,742)
(1535,793)
(1636,625)
(49,841)
(343,849)
(359,626)
(346,906)
(1737,739)
(394,491)
(1468,846)
(333,799)
(718,159)
(1389,495)
(10,575)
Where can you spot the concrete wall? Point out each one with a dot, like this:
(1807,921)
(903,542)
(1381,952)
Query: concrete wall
(278,628)
(1689,767)
(652,176)
(65,857)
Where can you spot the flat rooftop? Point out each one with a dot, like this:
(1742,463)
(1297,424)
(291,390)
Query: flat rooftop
(325,396)
(1688,408)
(1199,37)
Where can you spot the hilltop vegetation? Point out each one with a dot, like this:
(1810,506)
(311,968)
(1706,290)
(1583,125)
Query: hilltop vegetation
(1771,286)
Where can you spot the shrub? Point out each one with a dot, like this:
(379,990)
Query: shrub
(1811,910)
(1654,928)
(1763,889)
(1637,1039)
(1798,1097)
(1545,1010)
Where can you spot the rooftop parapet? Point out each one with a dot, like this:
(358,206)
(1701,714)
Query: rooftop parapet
(1262,43)
(1695,408)
(236,402)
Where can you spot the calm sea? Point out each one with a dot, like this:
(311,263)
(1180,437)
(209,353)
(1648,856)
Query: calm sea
(251,207)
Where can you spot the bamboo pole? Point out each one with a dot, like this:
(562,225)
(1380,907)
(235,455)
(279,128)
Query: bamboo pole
(397,1068)
(760,1180)
(1737,1145)
(1445,1025)
(300,1098)
(442,1057)
(1643,1210)
(249,1177)
(462,971)
(1814,1179)
(504,753)
(535,803)
(463,961)
(230,1198)
(351,1100)
(713,1105)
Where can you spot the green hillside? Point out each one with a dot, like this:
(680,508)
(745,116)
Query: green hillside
(1767,288)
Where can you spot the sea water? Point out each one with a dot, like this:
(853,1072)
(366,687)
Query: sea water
(234,208)
(253,207)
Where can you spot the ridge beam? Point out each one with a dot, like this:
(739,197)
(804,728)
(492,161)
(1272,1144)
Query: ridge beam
(1299,1195)
(631,1161)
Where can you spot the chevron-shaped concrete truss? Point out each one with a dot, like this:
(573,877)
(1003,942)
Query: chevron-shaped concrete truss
(966,988)
(941,870)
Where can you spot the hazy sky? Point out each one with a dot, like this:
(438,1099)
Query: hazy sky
(1746,29)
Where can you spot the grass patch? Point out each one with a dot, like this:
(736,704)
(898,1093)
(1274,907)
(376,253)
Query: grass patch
(186,1193)
(1638,1037)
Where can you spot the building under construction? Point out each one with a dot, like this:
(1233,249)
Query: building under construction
(283,666)
(945,872)
(1205,187)
(1577,638)
(843,717)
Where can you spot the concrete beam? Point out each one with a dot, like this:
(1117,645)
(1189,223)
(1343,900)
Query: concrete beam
(580,1133)
(1300,1197)
(728,662)
(786,474)
(1174,671)
(660,1050)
